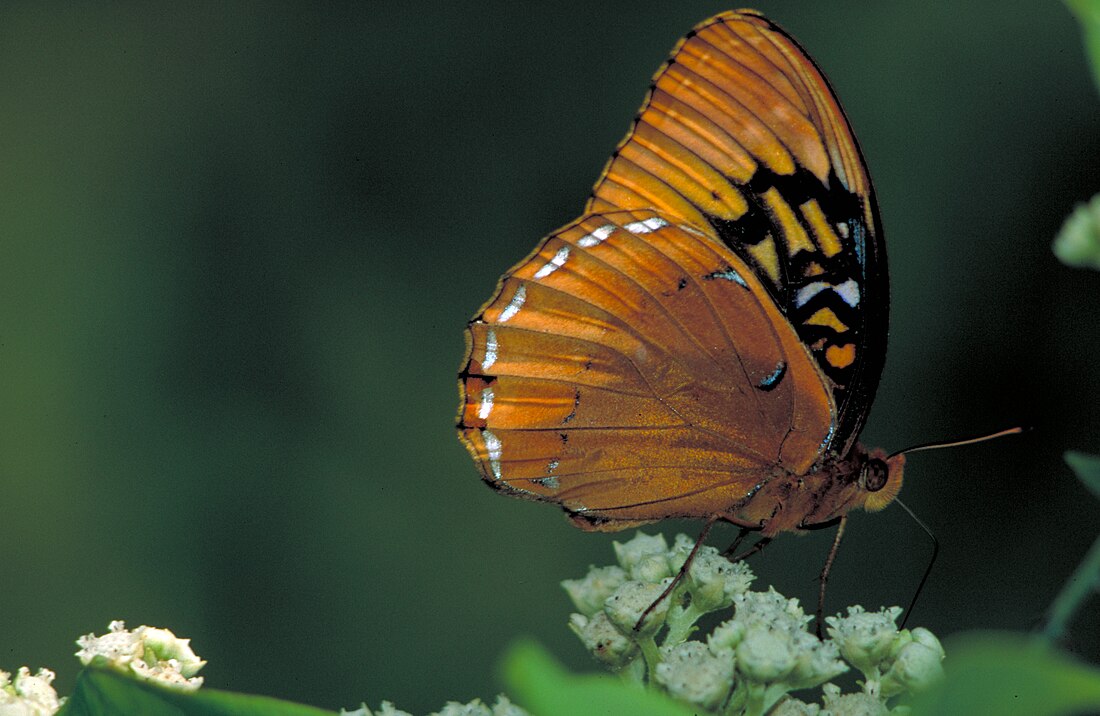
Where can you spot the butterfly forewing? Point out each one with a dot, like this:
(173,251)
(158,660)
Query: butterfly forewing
(742,135)
(633,369)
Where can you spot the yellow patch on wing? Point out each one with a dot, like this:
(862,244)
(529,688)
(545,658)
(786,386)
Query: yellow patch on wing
(826,317)
(793,233)
(823,232)
(766,257)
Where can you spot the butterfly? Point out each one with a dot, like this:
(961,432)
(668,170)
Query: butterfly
(705,341)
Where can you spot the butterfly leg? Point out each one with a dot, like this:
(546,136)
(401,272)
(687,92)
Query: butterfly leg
(679,575)
(758,547)
(741,534)
(825,575)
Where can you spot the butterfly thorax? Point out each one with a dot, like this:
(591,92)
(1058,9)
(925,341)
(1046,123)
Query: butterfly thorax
(789,502)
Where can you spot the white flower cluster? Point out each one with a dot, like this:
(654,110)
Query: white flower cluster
(148,653)
(27,694)
(502,707)
(749,663)
(892,661)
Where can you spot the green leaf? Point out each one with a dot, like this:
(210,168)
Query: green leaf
(1087,468)
(1008,674)
(1088,14)
(540,684)
(1078,241)
(101,692)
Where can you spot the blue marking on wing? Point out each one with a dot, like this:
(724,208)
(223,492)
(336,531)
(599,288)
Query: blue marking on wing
(859,239)
(729,274)
(772,380)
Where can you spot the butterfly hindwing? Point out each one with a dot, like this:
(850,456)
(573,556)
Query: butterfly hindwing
(634,368)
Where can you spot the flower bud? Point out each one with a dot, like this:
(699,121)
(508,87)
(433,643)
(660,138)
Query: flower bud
(794,707)
(627,604)
(917,667)
(606,642)
(769,608)
(692,673)
(504,707)
(765,655)
(815,662)
(590,593)
(681,548)
(714,581)
(28,695)
(726,635)
(634,551)
(858,704)
(864,638)
(474,708)
(148,653)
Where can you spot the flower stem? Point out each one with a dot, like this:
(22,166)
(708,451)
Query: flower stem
(680,625)
(651,654)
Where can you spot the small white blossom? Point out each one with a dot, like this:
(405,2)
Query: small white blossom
(27,694)
(815,661)
(386,709)
(726,635)
(691,673)
(502,707)
(917,664)
(590,593)
(625,607)
(606,641)
(474,708)
(714,581)
(148,653)
(794,707)
(770,608)
(864,638)
(858,704)
(681,548)
(765,655)
(639,551)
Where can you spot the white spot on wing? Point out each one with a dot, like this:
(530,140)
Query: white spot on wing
(849,292)
(514,305)
(492,445)
(809,291)
(842,230)
(553,264)
(644,227)
(550,483)
(490,350)
(486,406)
(596,237)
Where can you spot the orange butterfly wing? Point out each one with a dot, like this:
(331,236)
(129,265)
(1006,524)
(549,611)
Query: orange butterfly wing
(712,330)
(741,133)
(632,369)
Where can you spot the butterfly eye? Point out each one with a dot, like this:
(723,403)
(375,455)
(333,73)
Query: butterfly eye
(874,475)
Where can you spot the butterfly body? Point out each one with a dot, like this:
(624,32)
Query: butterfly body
(706,339)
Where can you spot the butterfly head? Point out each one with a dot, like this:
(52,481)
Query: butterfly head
(880,478)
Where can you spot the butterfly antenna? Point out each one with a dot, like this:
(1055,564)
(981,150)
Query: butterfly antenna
(931,561)
(957,443)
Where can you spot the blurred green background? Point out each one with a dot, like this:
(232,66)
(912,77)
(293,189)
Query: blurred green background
(240,244)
